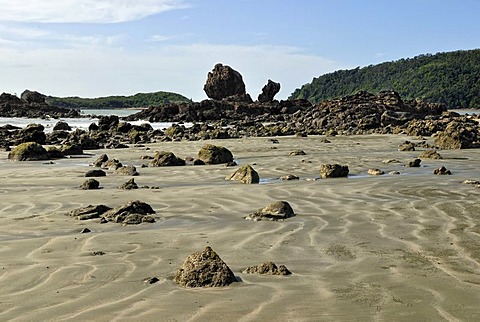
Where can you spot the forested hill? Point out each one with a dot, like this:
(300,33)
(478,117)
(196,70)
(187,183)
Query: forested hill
(112,102)
(452,78)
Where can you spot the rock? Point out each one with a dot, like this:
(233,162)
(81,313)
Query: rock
(29,151)
(151,280)
(107,122)
(297,152)
(166,159)
(32,96)
(90,184)
(442,171)
(100,160)
(407,146)
(129,185)
(132,213)
(394,172)
(458,135)
(95,173)
(430,154)
(62,126)
(289,177)
(212,154)
(128,170)
(85,231)
(474,182)
(391,161)
(375,172)
(222,82)
(89,212)
(333,171)
(72,149)
(269,91)
(33,133)
(204,269)
(112,164)
(279,210)
(414,164)
(267,268)
(245,174)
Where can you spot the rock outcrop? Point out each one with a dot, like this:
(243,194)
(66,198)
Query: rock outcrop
(222,82)
(204,269)
(269,91)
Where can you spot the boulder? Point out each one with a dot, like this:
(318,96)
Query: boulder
(414,163)
(213,154)
(106,122)
(223,81)
(267,268)
(100,160)
(458,135)
(128,170)
(166,159)
(279,210)
(89,212)
(442,171)
(29,151)
(269,91)
(95,173)
(245,174)
(129,185)
(33,133)
(297,152)
(333,171)
(430,154)
(375,172)
(132,213)
(90,184)
(204,269)
(62,126)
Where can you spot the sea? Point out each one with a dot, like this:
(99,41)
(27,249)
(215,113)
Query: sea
(91,116)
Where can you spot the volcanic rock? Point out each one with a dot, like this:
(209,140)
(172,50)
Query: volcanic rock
(204,269)
(223,81)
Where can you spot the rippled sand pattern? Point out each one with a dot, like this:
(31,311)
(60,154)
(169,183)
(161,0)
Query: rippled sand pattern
(388,248)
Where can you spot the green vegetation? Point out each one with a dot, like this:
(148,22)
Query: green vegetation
(112,102)
(451,78)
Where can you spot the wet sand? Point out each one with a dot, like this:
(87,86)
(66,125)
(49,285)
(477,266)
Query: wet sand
(392,247)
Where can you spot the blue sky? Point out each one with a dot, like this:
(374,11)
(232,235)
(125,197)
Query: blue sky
(94,48)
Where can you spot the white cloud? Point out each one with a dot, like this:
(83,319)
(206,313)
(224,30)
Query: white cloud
(104,71)
(160,38)
(84,11)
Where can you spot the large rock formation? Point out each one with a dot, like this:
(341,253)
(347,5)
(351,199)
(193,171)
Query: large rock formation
(222,82)
(32,97)
(204,269)
(269,91)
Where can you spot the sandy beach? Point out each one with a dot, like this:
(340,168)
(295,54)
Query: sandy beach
(364,248)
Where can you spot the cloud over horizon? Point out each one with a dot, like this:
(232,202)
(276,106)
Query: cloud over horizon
(84,11)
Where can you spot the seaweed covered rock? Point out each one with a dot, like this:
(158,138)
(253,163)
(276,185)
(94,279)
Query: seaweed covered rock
(213,154)
(204,269)
(267,268)
(29,151)
(166,159)
(245,174)
(279,210)
(333,171)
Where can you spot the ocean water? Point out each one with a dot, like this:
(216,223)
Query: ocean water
(79,123)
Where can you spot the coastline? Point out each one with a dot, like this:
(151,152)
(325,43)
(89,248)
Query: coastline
(391,247)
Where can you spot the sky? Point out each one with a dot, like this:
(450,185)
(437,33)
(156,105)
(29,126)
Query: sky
(94,48)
